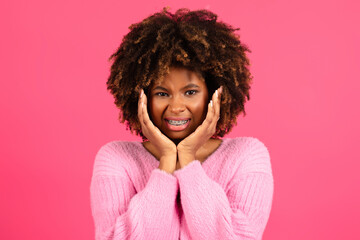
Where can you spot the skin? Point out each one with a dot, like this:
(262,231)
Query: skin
(182,93)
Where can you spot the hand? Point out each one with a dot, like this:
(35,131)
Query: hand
(164,146)
(188,147)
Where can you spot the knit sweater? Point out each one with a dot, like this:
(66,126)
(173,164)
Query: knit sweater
(227,196)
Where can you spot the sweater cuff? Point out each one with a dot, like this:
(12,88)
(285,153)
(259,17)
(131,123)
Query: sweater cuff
(191,168)
(163,184)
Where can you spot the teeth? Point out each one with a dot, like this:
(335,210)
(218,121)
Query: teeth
(177,123)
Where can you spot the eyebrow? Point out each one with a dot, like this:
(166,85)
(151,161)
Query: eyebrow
(190,85)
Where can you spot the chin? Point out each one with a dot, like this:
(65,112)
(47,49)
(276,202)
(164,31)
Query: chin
(176,137)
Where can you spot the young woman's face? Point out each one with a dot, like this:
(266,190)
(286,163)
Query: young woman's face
(178,104)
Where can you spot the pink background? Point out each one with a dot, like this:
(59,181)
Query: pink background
(56,112)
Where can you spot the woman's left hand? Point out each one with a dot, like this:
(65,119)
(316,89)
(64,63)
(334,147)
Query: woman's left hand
(188,147)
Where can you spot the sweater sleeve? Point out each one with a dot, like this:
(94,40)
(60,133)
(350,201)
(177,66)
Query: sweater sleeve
(121,213)
(241,212)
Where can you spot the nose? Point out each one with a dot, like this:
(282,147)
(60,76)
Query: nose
(176,105)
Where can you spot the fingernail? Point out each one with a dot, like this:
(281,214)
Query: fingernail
(216,93)
(221,88)
(211,104)
(141,93)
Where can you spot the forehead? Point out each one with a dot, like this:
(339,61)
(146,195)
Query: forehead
(180,76)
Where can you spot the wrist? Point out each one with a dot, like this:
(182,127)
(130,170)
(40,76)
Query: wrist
(185,158)
(171,153)
(168,163)
(166,168)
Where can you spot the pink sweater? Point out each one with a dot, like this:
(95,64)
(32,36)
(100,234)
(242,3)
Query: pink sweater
(228,196)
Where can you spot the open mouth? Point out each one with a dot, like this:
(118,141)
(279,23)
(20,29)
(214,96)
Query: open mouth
(177,123)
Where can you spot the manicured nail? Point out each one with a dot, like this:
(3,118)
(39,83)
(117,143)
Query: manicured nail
(216,93)
(221,88)
(211,104)
(141,93)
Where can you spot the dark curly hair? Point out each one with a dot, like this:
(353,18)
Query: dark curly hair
(194,40)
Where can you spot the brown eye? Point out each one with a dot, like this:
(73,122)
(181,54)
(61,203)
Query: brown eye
(191,92)
(161,94)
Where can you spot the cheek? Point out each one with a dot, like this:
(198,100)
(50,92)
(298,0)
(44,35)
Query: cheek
(155,110)
(199,108)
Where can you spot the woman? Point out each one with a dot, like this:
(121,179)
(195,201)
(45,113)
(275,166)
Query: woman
(180,80)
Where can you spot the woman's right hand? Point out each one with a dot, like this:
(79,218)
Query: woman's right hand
(164,146)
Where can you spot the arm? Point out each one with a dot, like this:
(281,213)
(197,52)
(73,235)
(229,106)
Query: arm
(239,213)
(121,213)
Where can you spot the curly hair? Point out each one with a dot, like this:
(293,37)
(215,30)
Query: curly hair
(194,40)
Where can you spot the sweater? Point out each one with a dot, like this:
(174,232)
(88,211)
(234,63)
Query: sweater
(227,196)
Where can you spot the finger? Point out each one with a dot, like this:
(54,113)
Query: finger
(207,125)
(210,114)
(145,114)
(146,118)
(216,111)
(217,105)
(204,129)
(213,104)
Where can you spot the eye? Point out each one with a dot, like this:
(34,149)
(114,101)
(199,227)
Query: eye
(161,94)
(191,92)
